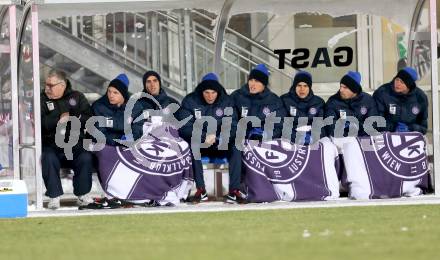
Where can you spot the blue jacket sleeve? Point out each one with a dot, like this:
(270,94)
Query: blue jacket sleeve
(184,112)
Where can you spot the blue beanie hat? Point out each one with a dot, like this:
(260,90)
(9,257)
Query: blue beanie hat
(210,81)
(353,81)
(409,76)
(302,76)
(121,83)
(260,73)
(210,76)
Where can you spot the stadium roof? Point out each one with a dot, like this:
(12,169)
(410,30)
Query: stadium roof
(400,11)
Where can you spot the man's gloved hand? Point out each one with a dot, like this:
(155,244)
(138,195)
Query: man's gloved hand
(127,138)
(308,138)
(402,127)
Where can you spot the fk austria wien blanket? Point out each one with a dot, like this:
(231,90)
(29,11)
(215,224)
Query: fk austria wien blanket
(152,169)
(280,170)
(386,166)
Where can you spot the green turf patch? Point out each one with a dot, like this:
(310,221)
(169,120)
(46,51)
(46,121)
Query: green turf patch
(382,232)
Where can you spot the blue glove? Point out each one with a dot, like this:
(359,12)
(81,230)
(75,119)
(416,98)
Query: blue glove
(256,133)
(402,127)
(347,124)
(126,138)
(308,138)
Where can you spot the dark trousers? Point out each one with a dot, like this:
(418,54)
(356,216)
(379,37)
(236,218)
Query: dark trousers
(234,158)
(53,159)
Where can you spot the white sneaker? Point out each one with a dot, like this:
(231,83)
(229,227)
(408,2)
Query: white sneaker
(84,200)
(54,203)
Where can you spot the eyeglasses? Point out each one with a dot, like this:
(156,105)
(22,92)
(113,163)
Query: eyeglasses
(53,85)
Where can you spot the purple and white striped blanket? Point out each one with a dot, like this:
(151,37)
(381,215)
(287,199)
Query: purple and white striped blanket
(280,170)
(386,166)
(152,169)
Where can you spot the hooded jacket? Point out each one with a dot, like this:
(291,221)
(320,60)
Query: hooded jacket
(102,107)
(259,105)
(410,109)
(194,106)
(146,103)
(361,107)
(309,107)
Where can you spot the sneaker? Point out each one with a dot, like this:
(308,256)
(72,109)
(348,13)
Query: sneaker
(200,195)
(54,203)
(152,204)
(84,200)
(236,197)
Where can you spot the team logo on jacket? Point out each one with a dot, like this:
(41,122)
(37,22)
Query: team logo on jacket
(72,102)
(165,156)
(197,113)
(219,112)
(50,105)
(392,109)
(342,114)
(277,160)
(415,110)
(313,111)
(401,154)
(244,111)
(292,111)
(364,110)
(266,111)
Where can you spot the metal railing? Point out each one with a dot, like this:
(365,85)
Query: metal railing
(155,40)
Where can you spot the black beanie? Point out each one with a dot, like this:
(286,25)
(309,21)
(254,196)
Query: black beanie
(353,81)
(148,74)
(409,76)
(210,81)
(302,76)
(121,84)
(260,73)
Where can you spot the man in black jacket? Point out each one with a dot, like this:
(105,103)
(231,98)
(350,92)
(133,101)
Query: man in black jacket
(157,105)
(350,101)
(210,99)
(256,99)
(301,102)
(403,105)
(58,102)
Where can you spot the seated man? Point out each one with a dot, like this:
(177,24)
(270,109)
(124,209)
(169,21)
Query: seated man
(351,101)
(112,107)
(152,86)
(210,99)
(256,99)
(402,103)
(58,102)
(300,101)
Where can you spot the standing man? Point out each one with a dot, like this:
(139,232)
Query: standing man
(256,99)
(145,105)
(350,100)
(403,105)
(210,99)
(58,102)
(300,101)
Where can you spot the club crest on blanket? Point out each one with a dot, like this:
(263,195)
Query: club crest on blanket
(278,160)
(402,155)
(159,152)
